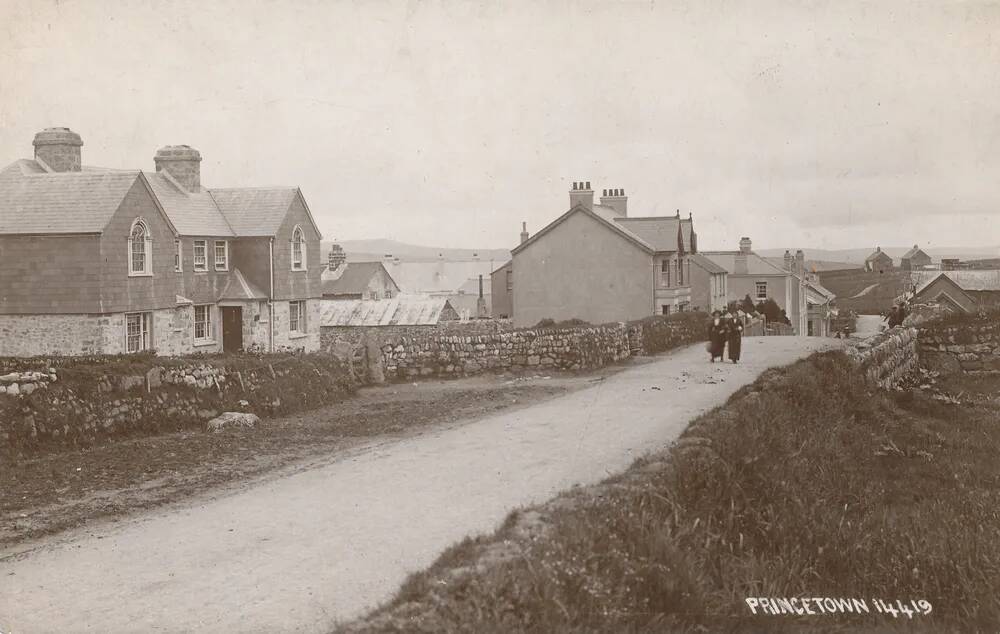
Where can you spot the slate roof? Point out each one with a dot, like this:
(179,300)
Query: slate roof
(239,288)
(354,279)
(402,310)
(193,214)
(705,263)
(36,201)
(756,265)
(33,202)
(601,215)
(443,276)
(913,252)
(876,254)
(660,232)
(988,280)
(948,279)
(255,211)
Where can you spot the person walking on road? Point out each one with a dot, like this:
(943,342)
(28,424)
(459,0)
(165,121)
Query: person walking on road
(717,333)
(735,338)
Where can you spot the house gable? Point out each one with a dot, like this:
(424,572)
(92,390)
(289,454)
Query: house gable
(626,235)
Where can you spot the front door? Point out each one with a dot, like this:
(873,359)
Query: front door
(232,328)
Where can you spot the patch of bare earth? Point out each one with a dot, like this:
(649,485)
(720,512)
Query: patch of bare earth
(49,493)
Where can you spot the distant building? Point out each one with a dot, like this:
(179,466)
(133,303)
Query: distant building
(914,259)
(945,291)
(878,262)
(502,286)
(981,287)
(596,263)
(709,290)
(359,280)
(820,308)
(950,264)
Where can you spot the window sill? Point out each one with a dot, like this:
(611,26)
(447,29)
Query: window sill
(200,271)
(297,335)
(222,270)
(299,270)
(198,343)
(140,275)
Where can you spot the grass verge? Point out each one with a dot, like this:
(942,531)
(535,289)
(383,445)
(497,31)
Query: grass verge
(805,484)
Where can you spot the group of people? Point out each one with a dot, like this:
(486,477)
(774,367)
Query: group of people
(725,329)
(895,316)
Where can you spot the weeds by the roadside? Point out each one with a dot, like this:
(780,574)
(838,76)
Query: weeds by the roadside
(806,484)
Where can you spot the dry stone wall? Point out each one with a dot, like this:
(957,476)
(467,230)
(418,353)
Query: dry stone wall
(886,358)
(972,345)
(67,402)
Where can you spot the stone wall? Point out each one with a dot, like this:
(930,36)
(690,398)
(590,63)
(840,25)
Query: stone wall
(76,402)
(398,353)
(887,357)
(968,344)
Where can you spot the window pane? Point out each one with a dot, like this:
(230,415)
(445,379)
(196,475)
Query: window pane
(138,256)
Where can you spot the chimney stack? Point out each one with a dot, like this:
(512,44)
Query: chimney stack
(337,257)
(581,194)
(183,163)
(524,232)
(745,245)
(788,260)
(617,200)
(800,262)
(59,149)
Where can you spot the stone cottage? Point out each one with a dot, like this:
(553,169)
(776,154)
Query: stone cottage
(914,260)
(878,262)
(103,261)
(598,264)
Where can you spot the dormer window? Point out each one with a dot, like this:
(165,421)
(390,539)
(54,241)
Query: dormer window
(140,249)
(298,249)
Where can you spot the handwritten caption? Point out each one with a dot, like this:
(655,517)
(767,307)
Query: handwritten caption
(896,608)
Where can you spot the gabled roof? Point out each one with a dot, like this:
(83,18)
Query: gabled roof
(705,263)
(876,255)
(986,280)
(34,201)
(402,310)
(660,232)
(194,214)
(354,278)
(601,219)
(239,288)
(442,276)
(913,252)
(253,211)
(821,290)
(756,265)
(946,279)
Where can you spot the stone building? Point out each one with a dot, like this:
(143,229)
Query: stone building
(878,262)
(914,260)
(598,264)
(102,261)
(359,280)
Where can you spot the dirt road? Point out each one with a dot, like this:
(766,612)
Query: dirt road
(301,552)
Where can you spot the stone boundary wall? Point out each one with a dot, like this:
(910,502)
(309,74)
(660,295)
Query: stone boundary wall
(972,346)
(76,404)
(887,357)
(399,354)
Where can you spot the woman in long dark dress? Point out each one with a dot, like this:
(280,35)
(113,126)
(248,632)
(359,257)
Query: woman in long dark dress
(717,333)
(735,338)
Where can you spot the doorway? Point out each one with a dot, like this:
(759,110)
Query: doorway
(232,328)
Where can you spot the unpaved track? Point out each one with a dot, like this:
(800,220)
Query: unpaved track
(299,553)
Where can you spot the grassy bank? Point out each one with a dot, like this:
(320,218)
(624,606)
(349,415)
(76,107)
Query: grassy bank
(805,484)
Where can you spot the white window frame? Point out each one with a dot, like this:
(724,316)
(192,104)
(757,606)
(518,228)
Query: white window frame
(299,326)
(209,332)
(757,286)
(178,256)
(145,333)
(204,262)
(147,245)
(225,255)
(298,233)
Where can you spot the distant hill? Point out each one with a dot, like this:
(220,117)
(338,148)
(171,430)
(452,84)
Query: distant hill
(369,250)
(857,256)
(816,265)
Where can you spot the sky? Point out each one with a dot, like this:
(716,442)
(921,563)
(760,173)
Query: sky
(800,124)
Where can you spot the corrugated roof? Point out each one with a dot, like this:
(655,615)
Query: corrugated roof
(353,279)
(756,265)
(62,202)
(988,280)
(660,232)
(239,288)
(402,310)
(194,214)
(706,264)
(255,211)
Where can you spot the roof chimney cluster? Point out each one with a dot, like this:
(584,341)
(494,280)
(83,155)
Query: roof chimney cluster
(58,149)
(616,199)
(182,163)
(581,194)
(581,186)
(745,245)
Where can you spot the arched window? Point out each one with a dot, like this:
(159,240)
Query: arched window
(140,249)
(298,249)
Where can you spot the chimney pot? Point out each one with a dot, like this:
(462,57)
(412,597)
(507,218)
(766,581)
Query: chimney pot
(588,184)
(59,148)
